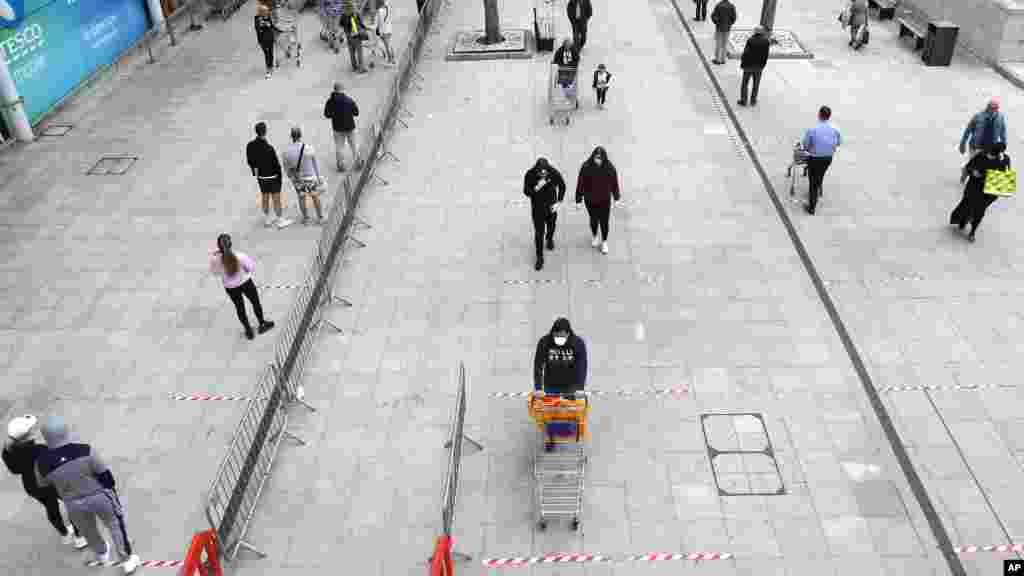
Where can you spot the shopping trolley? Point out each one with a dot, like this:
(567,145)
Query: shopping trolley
(563,95)
(286,20)
(800,156)
(560,458)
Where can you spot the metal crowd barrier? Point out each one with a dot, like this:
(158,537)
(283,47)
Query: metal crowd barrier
(450,487)
(234,492)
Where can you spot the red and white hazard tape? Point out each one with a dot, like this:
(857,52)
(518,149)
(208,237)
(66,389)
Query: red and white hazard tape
(945,387)
(143,564)
(594,558)
(206,397)
(999,548)
(624,393)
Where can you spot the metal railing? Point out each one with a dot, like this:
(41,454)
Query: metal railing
(450,486)
(231,501)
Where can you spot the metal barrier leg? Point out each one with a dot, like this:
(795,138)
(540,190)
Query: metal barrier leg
(249,547)
(298,397)
(295,438)
(357,221)
(359,243)
(479,447)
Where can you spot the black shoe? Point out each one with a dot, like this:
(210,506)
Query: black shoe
(741,102)
(970,237)
(538,265)
(549,447)
(753,102)
(265,327)
(551,244)
(248,333)
(808,209)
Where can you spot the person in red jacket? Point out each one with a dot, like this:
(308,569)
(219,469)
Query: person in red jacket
(598,186)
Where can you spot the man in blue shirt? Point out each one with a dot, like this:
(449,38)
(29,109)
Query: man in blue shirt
(821,143)
(985,128)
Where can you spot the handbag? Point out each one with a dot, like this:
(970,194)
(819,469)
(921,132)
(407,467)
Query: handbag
(1001,182)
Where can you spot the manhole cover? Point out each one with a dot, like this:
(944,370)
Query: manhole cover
(56,130)
(112,165)
(741,454)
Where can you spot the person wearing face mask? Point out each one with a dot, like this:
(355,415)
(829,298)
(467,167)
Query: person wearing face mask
(560,363)
(545,188)
(598,186)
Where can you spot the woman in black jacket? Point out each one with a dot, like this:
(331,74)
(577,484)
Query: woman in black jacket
(598,185)
(975,201)
(265,32)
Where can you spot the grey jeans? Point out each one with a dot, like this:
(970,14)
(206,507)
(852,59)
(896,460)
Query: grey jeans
(106,507)
(721,44)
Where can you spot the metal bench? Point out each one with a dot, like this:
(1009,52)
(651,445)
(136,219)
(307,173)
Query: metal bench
(886,8)
(914,29)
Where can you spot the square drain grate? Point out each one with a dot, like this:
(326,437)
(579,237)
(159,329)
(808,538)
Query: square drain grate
(112,165)
(54,130)
(741,454)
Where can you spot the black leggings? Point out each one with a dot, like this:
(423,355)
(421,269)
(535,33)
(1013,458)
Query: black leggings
(249,289)
(599,217)
(50,501)
(602,93)
(268,55)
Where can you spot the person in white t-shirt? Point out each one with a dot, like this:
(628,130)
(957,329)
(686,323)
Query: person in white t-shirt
(384,29)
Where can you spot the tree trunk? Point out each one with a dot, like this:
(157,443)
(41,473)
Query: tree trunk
(492,29)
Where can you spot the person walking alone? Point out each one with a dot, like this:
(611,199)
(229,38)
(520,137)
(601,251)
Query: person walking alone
(235,270)
(355,33)
(821,143)
(265,35)
(753,61)
(723,16)
(545,188)
(263,162)
(304,172)
(858,18)
(602,78)
(385,29)
(342,111)
(20,454)
(984,128)
(89,492)
(702,10)
(975,201)
(579,12)
(598,186)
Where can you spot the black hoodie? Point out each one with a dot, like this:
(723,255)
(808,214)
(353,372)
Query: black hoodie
(560,369)
(20,459)
(553,191)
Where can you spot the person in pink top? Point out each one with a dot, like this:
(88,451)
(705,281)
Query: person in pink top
(235,269)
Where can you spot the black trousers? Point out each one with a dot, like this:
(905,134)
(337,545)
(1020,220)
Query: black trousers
(543,229)
(579,33)
(754,74)
(816,168)
(971,208)
(602,93)
(50,501)
(702,10)
(268,55)
(599,216)
(248,288)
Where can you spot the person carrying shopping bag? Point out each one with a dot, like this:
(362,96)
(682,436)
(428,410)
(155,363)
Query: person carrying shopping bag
(598,187)
(978,194)
(235,270)
(304,172)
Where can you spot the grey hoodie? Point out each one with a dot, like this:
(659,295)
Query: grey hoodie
(75,470)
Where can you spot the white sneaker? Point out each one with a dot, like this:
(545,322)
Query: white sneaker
(267,76)
(78,542)
(283,222)
(604,247)
(95,559)
(596,242)
(131,564)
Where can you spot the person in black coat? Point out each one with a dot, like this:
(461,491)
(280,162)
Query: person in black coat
(19,455)
(560,363)
(262,160)
(545,188)
(753,61)
(975,201)
(265,34)
(342,111)
(579,12)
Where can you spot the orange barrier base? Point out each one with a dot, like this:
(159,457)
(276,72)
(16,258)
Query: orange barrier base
(441,564)
(205,541)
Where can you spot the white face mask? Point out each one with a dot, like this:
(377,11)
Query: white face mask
(561,340)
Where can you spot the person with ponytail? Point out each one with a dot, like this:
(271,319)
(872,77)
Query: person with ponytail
(235,269)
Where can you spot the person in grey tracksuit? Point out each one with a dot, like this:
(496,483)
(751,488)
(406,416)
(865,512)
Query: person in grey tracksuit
(87,487)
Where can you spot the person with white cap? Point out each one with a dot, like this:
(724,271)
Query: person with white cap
(984,128)
(89,492)
(20,454)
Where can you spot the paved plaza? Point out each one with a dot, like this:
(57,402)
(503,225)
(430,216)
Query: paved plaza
(108,307)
